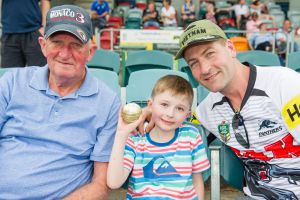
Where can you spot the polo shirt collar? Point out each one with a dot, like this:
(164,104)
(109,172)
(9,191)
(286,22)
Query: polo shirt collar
(39,81)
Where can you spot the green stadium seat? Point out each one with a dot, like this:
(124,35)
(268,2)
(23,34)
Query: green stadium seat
(141,83)
(184,67)
(293,61)
(260,58)
(105,59)
(2,71)
(110,78)
(141,60)
(202,92)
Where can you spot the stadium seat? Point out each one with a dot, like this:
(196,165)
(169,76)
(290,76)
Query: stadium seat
(293,61)
(104,59)
(279,17)
(260,58)
(295,20)
(202,92)
(141,60)
(141,83)
(240,43)
(110,78)
(184,67)
(134,19)
(2,71)
(108,40)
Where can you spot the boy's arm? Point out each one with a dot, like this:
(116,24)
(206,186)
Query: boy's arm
(198,185)
(116,173)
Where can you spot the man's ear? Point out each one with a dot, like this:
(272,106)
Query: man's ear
(42,42)
(92,50)
(231,48)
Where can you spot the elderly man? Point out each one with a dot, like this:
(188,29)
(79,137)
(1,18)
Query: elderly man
(57,122)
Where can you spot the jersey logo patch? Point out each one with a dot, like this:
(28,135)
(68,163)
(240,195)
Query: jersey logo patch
(291,112)
(224,132)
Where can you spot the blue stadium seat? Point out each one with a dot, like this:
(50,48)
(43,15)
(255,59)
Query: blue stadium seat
(184,67)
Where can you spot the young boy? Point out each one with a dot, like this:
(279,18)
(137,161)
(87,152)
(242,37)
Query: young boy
(167,162)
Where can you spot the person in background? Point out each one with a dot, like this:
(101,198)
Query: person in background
(210,14)
(22,25)
(57,122)
(167,162)
(263,39)
(151,16)
(99,14)
(241,11)
(252,27)
(168,14)
(282,38)
(188,12)
(253,110)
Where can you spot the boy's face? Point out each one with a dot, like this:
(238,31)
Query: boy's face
(169,111)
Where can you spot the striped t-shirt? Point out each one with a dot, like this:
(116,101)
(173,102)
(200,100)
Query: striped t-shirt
(164,170)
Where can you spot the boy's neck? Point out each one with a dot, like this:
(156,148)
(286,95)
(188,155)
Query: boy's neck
(160,136)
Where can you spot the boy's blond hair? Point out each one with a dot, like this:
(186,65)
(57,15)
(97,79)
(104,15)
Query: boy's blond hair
(176,85)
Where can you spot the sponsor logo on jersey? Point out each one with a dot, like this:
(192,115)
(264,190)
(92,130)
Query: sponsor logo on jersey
(224,132)
(268,127)
(291,112)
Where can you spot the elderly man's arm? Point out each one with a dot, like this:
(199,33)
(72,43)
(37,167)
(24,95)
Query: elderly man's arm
(97,189)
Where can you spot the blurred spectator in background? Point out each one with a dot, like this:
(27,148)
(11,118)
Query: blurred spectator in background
(282,37)
(99,14)
(264,15)
(252,26)
(22,24)
(241,11)
(210,14)
(256,6)
(188,12)
(263,39)
(151,16)
(168,14)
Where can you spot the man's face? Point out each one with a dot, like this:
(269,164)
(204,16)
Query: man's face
(66,55)
(211,64)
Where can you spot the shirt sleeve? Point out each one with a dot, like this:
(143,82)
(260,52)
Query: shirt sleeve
(129,153)
(106,136)
(199,156)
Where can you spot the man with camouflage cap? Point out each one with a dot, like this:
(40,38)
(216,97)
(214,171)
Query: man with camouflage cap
(57,122)
(254,110)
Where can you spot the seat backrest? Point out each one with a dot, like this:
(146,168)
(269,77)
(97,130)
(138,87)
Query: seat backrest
(184,67)
(260,58)
(202,92)
(109,77)
(2,71)
(105,59)
(141,83)
(141,60)
(240,43)
(293,61)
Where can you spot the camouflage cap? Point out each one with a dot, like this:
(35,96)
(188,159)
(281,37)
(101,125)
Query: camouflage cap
(199,31)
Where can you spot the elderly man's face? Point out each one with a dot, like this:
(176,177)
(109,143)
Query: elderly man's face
(66,55)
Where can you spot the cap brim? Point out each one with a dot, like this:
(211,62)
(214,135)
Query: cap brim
(70,29)
(179,54)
